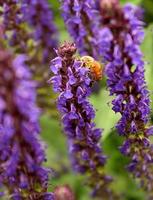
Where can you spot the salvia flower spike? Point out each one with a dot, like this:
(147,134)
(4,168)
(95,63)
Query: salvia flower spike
(72,81)
(39,16)
(28,23)
(30,29)
(79,17)
(119,34)
(125,72)
(21,150)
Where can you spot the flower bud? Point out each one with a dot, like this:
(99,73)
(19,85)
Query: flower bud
(63,193)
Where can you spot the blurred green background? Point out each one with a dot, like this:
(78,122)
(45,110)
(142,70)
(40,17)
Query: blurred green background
(106,119)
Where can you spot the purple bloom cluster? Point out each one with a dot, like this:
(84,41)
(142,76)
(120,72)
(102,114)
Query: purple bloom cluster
(79,17)
(29,28)
(71,80)
(21,150)
(16,15)
(125,72)
(39,16)
(12,19)
(118,34)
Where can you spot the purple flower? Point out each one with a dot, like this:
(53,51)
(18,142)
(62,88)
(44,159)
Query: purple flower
(118,35)
(21,150)
(79,17)
(71,80)
(39,16)
(125,73)
(12,20)
(30,29)
(16,17)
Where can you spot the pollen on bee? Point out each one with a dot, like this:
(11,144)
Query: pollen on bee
(94,66)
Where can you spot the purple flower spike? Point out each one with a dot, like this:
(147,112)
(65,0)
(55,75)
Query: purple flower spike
(71,80)
(21,150)
(118,33)
(12,21)
(17,15)
(82,21)
(39,16)
(30,29)
(125,72)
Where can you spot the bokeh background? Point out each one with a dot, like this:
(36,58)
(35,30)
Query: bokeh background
(106,119)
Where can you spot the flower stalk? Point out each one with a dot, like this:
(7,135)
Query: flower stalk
(29,28)
(118,35)
(22,154)
(73,83)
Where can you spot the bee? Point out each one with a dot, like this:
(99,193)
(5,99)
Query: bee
(94,66)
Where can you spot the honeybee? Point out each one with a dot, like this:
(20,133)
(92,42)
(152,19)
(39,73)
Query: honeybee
(94,66)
